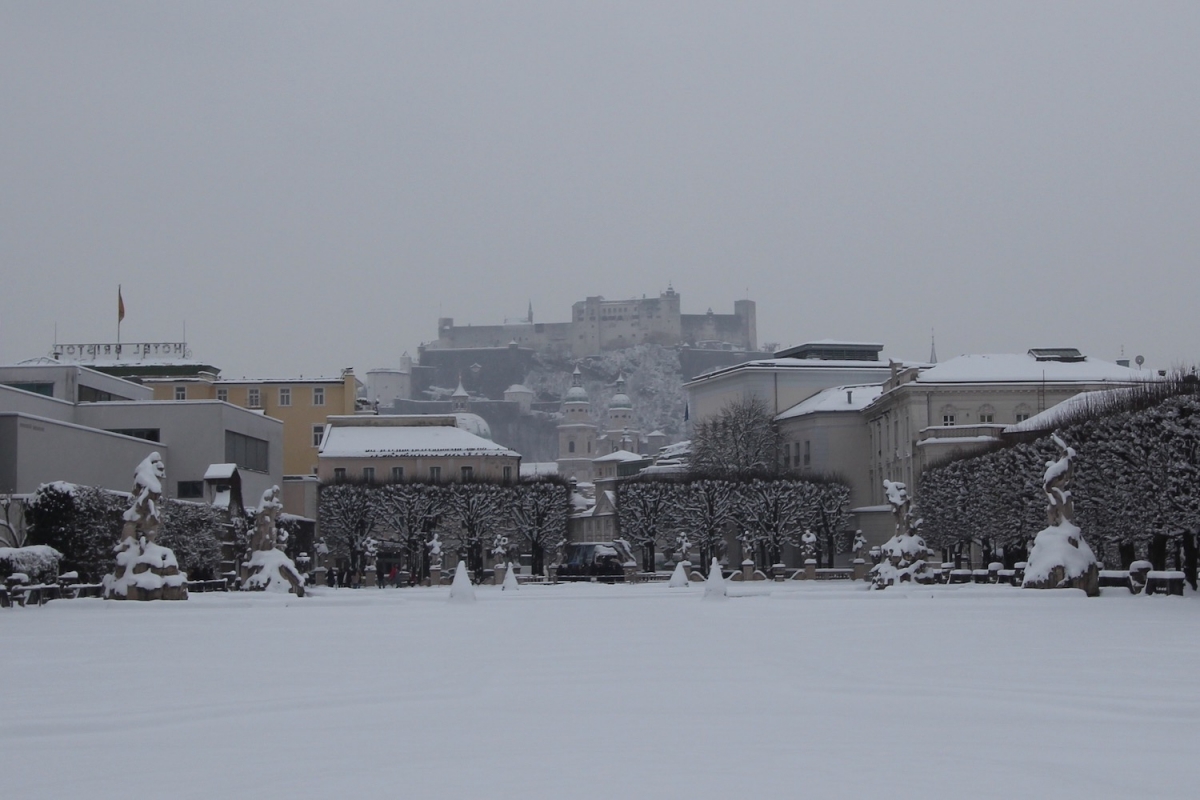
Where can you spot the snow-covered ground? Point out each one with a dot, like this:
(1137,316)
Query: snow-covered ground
(581,691)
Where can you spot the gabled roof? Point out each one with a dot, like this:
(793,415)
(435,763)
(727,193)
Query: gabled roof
(1026,368)
(839,398)
(406,441)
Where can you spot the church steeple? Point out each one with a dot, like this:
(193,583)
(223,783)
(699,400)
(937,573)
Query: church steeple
(932,348)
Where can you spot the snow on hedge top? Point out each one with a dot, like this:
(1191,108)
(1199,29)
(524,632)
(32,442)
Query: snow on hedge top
(1053,416)
(839,398)
(1022,367)
(399,440)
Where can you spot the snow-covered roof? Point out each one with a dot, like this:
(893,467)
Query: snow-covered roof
(1024,368)
(1053,416)
(773,364)
(668,466)
(384,441)
(619,456)
(220,472)
(518,388)
(839,398)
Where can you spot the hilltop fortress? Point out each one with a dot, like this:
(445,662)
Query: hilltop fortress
(598,325)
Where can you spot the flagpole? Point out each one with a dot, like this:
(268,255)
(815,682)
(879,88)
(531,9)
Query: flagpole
(120,308)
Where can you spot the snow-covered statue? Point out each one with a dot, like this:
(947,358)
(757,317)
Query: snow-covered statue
(902,558)
(808,546)
(145,570)
(269,568)
(860,545)
(1060,558)
(435,552)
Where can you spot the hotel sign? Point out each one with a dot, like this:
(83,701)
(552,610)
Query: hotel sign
(122,351)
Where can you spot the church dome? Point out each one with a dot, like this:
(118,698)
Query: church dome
(620,400)
(576,394)
(473,423)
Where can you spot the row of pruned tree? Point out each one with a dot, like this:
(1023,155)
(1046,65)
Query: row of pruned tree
(474,519)
(763,514)
(1136,484)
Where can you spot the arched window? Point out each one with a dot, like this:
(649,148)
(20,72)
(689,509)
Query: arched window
(948,415)
(571,446)
(987,414)
(1022,412)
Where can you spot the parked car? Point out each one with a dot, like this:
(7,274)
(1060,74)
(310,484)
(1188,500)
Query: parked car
(604,561)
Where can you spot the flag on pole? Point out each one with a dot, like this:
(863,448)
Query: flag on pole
(120,306)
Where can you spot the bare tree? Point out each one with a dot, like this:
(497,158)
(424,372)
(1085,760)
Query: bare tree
(706,509)
(408,514)
(539,512)
(645,514)
(741,440)
(347,514)
(476,515)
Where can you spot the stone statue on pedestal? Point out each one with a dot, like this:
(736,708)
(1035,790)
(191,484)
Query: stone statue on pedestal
(145,570)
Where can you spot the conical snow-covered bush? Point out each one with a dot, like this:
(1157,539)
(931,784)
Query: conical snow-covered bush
(461,590)
(714,587)
(510,579)
(679,577)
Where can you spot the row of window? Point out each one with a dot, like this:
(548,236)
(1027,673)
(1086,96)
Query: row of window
(986,416)
(793,456)
(246,451)
(254,395)
(434,474)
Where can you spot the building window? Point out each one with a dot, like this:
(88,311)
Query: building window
(181,393)
(253,398)
(369,474)
(46,389)
(571,446)
(435,474)
(246,451)
(507,474)
(318,434)
(468,473)
(149,434)
(223,395)
(986,417)
(947,420)
(339,474)
(318,395)
(1021,417)
(190,490)
(285,395)
(397,474)
(589,446)
(807,452)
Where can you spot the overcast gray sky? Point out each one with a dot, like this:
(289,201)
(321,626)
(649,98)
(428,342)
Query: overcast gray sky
(310,185)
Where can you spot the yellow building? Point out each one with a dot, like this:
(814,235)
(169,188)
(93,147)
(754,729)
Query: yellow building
(301,404)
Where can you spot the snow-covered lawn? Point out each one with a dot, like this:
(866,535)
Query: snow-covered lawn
(809,690)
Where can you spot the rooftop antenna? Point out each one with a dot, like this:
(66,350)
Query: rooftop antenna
(932,348)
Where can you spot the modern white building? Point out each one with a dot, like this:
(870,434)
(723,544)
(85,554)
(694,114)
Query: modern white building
(793,375)
(827,435)
(47,433)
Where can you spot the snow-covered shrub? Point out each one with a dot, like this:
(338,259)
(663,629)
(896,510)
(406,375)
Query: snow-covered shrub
(193,531)
(81,522)
(38,561)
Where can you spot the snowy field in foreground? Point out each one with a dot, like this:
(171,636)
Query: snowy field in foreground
(604,691)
